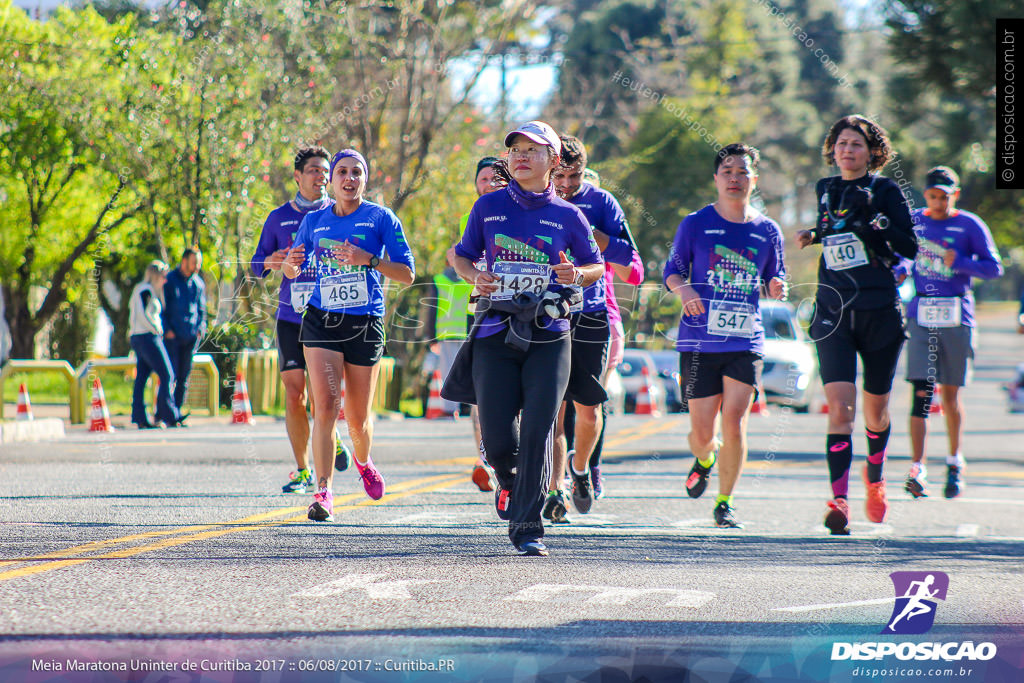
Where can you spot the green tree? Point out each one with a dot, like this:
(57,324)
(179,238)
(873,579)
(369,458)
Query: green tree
(61,159)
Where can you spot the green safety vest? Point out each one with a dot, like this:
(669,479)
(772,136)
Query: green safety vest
(452,307)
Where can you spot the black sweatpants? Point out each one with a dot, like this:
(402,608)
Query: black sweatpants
(508,381)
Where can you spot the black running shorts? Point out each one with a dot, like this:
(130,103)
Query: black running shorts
(289,350)
(876,335)
(359,338)
(589,352)
(701,373)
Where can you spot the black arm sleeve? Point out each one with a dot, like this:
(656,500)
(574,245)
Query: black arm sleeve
(900,232)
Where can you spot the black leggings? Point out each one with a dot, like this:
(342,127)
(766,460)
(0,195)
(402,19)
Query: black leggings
(508,381)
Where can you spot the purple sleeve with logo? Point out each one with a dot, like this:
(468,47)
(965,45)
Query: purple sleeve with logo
(976,256)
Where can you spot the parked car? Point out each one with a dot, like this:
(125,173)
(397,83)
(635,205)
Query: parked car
(668,371)
(631,372)
(790,375)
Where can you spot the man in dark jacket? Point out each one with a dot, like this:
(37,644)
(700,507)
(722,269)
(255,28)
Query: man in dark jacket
(184,318)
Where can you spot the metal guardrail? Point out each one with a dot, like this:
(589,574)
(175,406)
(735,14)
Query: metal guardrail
(81,390)
(30,366)
(266,391)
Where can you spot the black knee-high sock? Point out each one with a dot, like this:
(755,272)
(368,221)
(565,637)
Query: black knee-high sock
(877,442)
(839,453)
(595,457)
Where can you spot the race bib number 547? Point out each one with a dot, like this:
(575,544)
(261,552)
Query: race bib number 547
(728,319)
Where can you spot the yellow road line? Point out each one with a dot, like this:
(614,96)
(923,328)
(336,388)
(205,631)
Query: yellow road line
(93,546)
(648,429)
(182,540)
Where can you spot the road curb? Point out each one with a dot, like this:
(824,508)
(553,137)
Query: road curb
(46,429)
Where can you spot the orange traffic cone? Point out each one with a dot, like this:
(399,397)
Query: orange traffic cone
(760,406)
(435,408)
(341,403)
(936,406)
(24,405)
(100,421)
(644,404)
(241,410)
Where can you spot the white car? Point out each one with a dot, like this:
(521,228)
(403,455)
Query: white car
(790,375)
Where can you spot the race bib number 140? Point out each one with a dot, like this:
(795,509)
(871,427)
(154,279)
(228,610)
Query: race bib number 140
(843,251)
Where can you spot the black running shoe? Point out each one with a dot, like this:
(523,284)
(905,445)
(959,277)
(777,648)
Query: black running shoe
(724,518)
(581,495)
(555,507)
(697,480)
(502,502)
(954,485)
(532,549)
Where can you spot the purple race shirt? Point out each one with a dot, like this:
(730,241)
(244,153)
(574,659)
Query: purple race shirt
(976,256)
(726,263)
(509,236)
(279,233)
(603,213)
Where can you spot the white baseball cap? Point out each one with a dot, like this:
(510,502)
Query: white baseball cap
(539,132)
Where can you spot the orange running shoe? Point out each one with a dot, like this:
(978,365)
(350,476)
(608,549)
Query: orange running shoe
(877,505)
(482,478)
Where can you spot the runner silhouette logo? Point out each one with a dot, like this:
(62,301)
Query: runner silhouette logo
(916,595)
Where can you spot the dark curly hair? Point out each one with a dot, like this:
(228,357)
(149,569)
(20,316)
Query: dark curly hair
(573,151)
(876,137)
(738,149)
(306,153)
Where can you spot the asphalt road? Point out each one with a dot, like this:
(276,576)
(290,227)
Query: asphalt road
(174,555)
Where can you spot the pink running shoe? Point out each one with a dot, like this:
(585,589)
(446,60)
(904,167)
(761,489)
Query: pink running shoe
(322,507)
(838,518)
(372,481)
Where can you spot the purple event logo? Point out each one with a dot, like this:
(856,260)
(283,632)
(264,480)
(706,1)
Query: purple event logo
(916,593)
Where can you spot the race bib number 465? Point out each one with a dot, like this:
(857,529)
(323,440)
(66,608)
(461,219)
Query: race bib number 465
(515,277)
(843,251)
(728,319)
(347,290)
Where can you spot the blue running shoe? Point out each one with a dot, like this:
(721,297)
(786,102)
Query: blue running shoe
(301,482)
(342,456)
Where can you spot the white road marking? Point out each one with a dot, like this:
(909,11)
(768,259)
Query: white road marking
(610,595)
(371,583)
(967,530)
(814,608)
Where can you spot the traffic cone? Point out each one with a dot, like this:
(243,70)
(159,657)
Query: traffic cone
(241,410)
(936,406)
(644,404)
(24,405)
(341,402)
(100,421)
(760,406)
(434,406)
